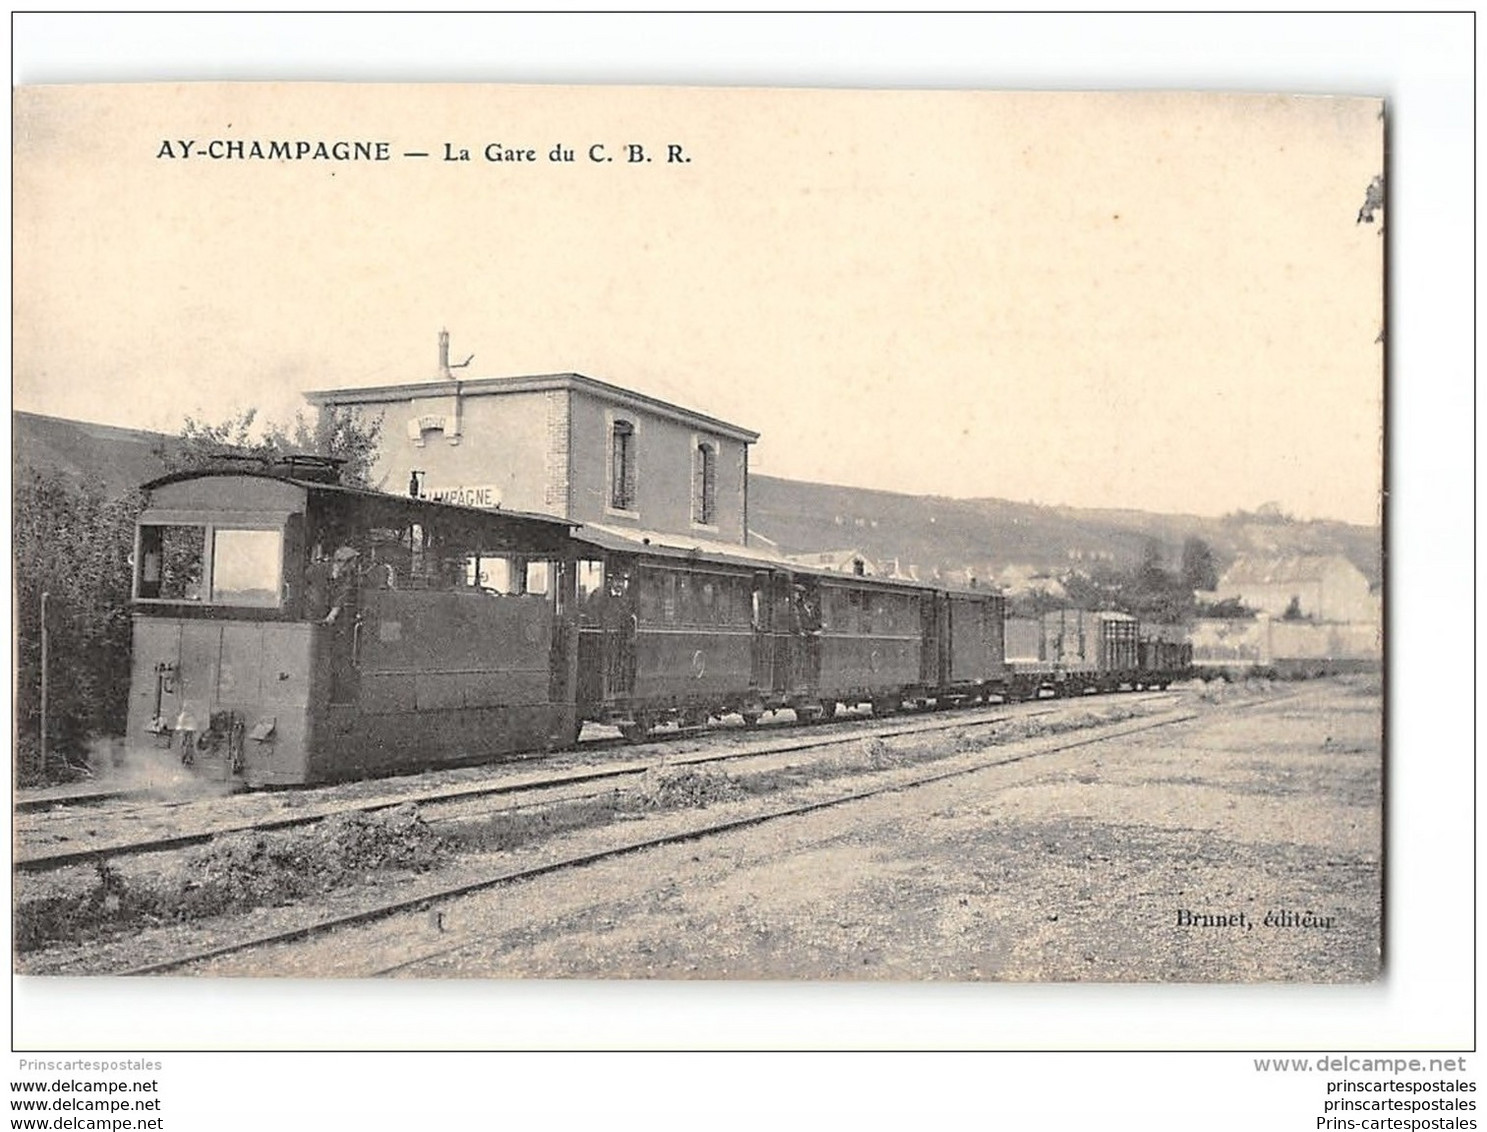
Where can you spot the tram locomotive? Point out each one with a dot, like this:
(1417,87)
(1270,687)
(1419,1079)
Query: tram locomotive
(289,630)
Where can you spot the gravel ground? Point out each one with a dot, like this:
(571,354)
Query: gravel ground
(149,908)
(1156,857)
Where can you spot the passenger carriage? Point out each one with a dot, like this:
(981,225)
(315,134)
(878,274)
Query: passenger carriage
(676,632)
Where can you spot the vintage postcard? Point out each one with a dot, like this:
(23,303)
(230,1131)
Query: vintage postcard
(500,532)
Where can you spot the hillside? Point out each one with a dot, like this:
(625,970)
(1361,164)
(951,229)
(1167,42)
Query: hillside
(986,535)
(979,536)
(118,458)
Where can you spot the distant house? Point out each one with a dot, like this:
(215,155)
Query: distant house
(1018,580)
(850,561)
(1320,587)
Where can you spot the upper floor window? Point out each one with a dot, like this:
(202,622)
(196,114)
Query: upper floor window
(622,466)
(705,484)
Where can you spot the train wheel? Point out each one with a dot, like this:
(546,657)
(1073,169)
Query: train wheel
(634,731)
(810,713)
(751,717)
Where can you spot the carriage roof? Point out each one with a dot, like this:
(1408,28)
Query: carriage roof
(245,490)
(680,549)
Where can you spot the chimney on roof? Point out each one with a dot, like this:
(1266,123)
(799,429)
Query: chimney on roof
(444,356)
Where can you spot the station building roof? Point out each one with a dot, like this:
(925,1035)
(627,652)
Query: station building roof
(535,383)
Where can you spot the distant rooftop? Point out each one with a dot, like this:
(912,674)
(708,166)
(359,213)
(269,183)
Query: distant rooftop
(1262,570)
(485,386)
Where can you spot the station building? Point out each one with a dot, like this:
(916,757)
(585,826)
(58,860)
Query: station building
(560,444)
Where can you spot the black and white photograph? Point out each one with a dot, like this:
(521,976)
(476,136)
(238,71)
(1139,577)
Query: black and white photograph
(699,534)
(775,548)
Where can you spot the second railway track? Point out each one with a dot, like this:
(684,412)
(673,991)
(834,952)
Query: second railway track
(426,897)
(535,784)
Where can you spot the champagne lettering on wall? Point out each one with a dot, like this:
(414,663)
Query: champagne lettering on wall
(465,495)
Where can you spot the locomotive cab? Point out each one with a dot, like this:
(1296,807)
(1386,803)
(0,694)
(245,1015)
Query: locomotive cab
(290,631)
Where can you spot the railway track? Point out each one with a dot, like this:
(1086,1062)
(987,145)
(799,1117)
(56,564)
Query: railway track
(40,803)
(64,798)
(426,898)
(533,785)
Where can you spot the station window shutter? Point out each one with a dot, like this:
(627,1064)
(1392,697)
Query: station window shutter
(622,466)
(705,484)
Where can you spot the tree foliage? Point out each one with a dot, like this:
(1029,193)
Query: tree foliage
(73,544)
(1147,590)
(1034,603)
(1198,569)
(345,434)
(1230,609)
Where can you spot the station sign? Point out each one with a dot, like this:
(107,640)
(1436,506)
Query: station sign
(465,495)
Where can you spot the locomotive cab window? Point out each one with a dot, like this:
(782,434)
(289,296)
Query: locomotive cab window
(495,574)
(539,577)
(505,575)
(246,566)
(171,562)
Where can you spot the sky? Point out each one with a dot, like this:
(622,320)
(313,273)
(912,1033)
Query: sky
(1154,301)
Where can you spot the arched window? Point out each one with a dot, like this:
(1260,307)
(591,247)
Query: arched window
(622,466)
(705,484)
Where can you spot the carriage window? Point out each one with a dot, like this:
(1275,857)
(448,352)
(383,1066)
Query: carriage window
(245,567)
(650,597)
(590,577)
(668,598)
(538,576)
(831,608)
(732,601)
(170,562)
